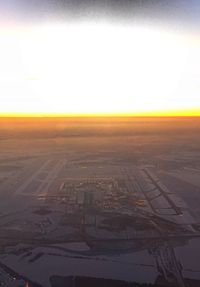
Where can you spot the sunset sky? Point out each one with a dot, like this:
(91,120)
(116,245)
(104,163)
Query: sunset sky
(57,58)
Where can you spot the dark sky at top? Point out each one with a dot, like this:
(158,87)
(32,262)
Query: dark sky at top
(180,11)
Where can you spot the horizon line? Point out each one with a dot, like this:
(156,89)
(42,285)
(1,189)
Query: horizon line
(150,114)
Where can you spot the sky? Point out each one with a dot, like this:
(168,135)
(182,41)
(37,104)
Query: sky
(99,57)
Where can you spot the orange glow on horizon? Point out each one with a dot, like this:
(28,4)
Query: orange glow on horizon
(180,113)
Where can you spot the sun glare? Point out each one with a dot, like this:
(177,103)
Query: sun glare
(98,69)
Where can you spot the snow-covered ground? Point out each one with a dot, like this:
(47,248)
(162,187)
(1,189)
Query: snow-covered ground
(130,266)
(190,176)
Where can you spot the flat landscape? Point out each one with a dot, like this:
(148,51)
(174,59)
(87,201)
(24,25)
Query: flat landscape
(82,197)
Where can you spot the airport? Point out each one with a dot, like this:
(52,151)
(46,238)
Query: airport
(69,209)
